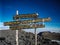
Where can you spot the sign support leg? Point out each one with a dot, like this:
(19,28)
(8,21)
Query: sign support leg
(16,37)
(35,37)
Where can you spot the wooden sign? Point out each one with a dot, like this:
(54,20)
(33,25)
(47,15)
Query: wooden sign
(27,26)
(26,21)
(37,20)
(25,16)
(11,23)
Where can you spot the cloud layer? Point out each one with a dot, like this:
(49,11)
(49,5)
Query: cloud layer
(2,27)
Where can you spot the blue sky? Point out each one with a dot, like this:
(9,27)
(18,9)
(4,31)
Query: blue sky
(45,8)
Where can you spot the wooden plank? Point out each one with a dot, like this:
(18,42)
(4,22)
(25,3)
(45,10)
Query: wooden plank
(26,26)
(25,16)
(26,21)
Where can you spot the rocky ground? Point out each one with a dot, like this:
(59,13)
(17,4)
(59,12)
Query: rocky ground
(8,37)
(25,38)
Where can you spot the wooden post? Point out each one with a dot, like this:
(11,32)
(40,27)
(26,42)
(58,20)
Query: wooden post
(17,32)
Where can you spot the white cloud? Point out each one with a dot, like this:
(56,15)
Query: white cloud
(57,30)
(2,27)
(51,29)
(1,24)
